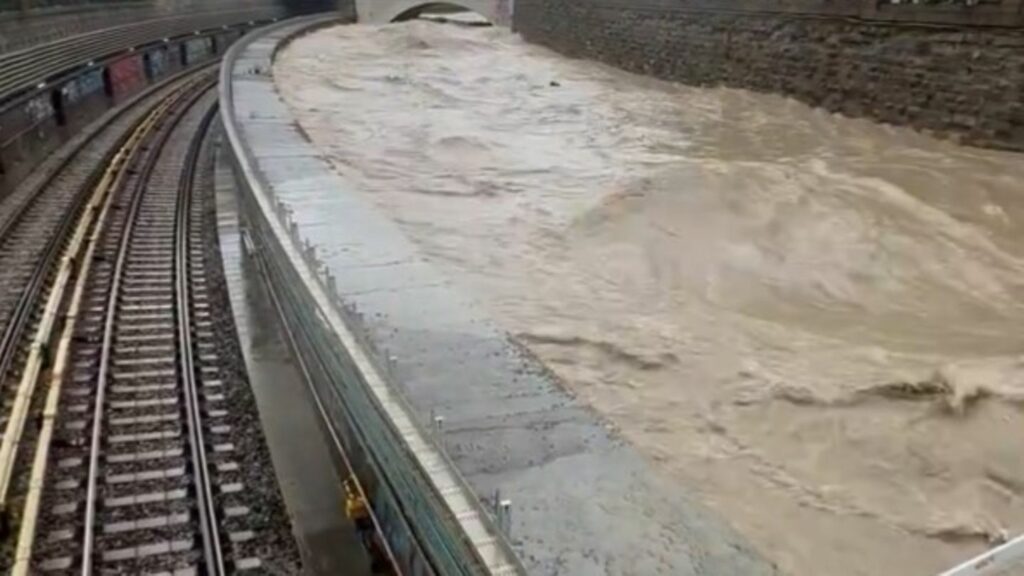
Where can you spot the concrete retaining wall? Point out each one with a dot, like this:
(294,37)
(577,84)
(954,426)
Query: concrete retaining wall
(36,124)
(432,527)
(325,366)
(956,70)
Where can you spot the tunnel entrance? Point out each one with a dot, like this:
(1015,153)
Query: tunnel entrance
(435,9)
(383,12)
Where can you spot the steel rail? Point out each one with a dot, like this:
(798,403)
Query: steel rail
(16,324)
(38,350)
(33,500)
(110,323)
(212,549)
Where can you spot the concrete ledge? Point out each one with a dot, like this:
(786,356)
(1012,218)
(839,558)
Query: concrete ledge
(582,501)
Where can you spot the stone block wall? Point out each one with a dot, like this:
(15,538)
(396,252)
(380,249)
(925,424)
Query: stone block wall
(963,80)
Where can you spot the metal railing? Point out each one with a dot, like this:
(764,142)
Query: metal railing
(1003,560)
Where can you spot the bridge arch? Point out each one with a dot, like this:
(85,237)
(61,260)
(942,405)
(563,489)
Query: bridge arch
(384,11)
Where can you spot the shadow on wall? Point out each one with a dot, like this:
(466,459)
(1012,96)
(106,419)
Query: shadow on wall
(435,8)
(384,11)
(344,8)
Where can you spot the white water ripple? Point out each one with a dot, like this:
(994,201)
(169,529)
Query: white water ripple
(812,323)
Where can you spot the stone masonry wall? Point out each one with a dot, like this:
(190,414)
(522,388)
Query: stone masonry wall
(966,81)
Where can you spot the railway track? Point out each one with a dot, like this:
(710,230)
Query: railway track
(145,373)
(130,461)
(35,229)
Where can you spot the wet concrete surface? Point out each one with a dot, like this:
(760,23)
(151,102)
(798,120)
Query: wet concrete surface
(304,459)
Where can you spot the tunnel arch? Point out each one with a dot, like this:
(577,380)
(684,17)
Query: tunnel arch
(384,11)
(424,7)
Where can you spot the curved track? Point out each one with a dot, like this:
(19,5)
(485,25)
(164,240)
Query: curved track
(37,218)
(146,445)
(129,464)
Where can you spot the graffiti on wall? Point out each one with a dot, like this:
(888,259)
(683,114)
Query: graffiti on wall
(198,49)
(126,75)
(90,82)
(156,63)
(38,108)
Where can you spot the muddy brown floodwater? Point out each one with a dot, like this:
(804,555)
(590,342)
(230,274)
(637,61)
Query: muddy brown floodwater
(811,323)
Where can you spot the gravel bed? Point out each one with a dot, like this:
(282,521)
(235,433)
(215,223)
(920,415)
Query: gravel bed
(274,538)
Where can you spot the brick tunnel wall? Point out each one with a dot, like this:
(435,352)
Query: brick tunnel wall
(960,79)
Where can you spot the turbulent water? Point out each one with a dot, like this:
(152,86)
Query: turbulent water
(813,324)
